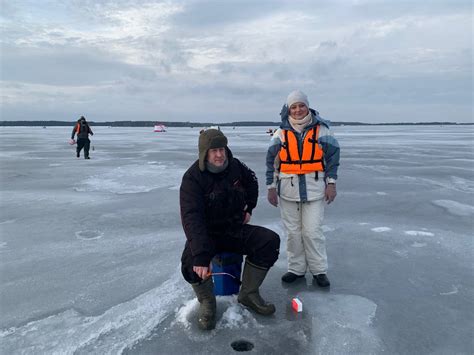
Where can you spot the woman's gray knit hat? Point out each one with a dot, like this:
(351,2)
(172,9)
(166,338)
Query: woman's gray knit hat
(297,96)
(209,139)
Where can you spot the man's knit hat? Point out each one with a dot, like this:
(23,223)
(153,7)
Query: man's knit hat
(209,139)
(297,96)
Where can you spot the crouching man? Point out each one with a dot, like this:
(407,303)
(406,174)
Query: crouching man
(217,196)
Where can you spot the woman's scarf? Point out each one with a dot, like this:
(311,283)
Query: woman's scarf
(300,125)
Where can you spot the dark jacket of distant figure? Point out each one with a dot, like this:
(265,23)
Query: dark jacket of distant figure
(82,130)
(214,205)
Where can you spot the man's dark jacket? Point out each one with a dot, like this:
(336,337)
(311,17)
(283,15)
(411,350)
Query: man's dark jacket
(214,205)
(84,130)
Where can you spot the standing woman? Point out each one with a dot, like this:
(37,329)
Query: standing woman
(302,162)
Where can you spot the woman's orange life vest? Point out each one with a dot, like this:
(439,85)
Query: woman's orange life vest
(311,158)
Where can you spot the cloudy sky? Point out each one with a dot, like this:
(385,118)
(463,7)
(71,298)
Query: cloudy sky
(229,60)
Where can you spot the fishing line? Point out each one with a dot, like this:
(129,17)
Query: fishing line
(227,274)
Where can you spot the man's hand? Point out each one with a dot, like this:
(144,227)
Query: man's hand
(203,271)
(272,196)
(247,218)
(330,193)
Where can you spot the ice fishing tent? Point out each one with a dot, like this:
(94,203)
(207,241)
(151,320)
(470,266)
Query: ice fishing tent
(159,128)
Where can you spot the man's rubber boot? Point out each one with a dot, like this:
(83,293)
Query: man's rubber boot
(252,278)
(207,304)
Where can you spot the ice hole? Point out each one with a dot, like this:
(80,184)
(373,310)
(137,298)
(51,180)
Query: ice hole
(242,345)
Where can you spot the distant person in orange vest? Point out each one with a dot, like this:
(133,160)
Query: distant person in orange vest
(302,162)
(82,130)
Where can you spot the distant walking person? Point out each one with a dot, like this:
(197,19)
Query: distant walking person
(302,163)
(82,130)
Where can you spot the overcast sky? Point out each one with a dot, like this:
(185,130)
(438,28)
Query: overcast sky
(220,61)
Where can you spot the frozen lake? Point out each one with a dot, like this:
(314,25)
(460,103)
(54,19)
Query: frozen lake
(90,249)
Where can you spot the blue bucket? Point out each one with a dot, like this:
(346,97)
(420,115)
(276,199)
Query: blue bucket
(228,267)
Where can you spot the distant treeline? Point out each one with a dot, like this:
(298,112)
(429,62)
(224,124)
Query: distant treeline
(207,124)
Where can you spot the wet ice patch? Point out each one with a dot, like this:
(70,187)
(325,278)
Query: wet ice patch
(133,179)
(455,208)
(363,223)
(55,164)
(8,221)
(381,193)
(89,235)
(342,324)
(3,245)
(420,233)
(381,229)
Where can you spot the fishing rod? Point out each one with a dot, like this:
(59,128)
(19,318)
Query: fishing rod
(227,274)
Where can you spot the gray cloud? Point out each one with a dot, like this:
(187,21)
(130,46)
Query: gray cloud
(213,14)
(236,60)
(64,67)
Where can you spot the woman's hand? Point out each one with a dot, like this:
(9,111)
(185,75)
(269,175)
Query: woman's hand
(272,196)
(330,193)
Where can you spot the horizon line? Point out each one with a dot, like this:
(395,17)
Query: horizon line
(139,123)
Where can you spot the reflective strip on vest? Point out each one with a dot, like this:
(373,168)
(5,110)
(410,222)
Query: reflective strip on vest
(311,159)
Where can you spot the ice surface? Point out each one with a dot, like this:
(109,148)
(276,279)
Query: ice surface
(455,208)
(342,324)
(90,249)
(427,234)
(110,332)
(123,180)
(381,229)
